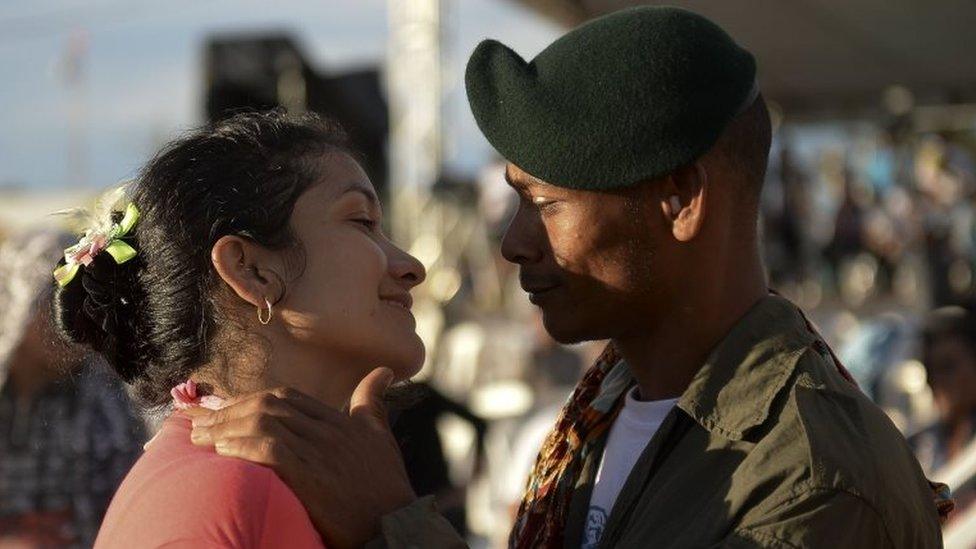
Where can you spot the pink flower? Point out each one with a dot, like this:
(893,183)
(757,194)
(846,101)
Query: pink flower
(82,256)
(99,242)
(185,396)
(86,254)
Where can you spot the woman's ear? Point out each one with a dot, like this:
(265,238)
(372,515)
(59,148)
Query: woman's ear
(241,264)
(684,200)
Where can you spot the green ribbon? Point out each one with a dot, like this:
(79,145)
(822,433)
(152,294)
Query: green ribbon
(66,273)
(120,250)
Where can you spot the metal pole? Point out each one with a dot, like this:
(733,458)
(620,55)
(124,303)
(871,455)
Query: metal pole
(413,74)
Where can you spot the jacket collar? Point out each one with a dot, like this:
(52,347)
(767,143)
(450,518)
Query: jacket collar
(735,388)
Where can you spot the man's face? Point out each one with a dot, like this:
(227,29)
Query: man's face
(587,259)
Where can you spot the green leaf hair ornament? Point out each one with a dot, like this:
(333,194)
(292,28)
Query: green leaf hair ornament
(102,235)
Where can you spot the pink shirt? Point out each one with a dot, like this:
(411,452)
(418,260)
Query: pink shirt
(181,495)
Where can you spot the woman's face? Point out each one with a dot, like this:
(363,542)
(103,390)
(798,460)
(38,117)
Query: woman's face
(350,296)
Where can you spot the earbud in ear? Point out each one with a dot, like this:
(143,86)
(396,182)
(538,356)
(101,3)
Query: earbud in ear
(675,204)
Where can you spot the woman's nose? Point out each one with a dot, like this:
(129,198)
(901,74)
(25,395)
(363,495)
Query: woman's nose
(405,268)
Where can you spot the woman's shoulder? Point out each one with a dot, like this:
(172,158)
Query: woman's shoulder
(190,492)
(173,463)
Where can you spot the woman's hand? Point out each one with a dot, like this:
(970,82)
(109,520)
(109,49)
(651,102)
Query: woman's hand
(345,468)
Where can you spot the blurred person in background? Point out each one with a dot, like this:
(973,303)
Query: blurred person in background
(415,429)
(785,220)
(68,432)
(949,356)
(944,177)
(848,236)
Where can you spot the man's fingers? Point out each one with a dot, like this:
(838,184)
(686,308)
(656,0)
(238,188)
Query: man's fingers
(263,450)
(367,399)
(261,424)
(196,411)
(278,401)
(311,407)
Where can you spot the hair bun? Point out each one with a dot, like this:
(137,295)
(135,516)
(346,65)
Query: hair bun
(97,310)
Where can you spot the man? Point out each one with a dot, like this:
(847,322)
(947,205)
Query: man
(637,144)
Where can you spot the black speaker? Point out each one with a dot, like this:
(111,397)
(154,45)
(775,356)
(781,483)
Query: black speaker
(269,70)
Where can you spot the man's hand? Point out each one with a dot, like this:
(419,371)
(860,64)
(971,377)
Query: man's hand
(345,468)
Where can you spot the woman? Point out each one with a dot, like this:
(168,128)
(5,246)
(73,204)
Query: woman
(250,256)
(68,432)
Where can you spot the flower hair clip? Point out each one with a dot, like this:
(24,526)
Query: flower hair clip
(101,235)
(185,395)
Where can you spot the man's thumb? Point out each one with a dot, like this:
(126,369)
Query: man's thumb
(367,399)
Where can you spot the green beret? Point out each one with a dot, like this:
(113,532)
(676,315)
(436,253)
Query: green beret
(623,98)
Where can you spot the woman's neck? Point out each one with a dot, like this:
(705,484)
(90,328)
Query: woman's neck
(327,377)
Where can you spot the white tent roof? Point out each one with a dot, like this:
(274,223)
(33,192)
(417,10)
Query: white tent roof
(835,55)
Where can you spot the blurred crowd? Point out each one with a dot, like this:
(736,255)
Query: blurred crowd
(870,230)
(872,215)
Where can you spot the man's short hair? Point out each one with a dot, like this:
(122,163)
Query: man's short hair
(744,146)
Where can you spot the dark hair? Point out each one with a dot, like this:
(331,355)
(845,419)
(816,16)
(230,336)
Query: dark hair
(745,144)
(154,317)
(948,322)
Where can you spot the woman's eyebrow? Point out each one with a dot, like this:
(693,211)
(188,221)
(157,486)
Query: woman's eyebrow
(359,187)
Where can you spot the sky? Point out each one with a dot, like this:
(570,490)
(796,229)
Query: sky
(141,72)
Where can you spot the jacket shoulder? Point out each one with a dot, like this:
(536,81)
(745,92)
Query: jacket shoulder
(851,446)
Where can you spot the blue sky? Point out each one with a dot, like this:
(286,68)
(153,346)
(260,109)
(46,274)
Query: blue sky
(143,73)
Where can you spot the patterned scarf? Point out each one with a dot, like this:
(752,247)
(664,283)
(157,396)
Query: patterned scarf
(590,411)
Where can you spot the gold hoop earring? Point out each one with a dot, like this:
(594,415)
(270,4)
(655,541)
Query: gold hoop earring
(261,318)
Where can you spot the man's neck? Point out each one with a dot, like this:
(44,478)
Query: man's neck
(665,359)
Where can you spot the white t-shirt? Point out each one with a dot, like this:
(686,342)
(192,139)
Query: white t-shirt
(629,435)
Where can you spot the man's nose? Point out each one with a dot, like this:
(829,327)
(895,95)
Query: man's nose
(521,243)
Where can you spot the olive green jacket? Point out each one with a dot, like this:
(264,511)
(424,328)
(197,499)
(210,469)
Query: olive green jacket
(768,447)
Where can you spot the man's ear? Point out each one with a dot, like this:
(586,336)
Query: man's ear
(242,264)
(684,200)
